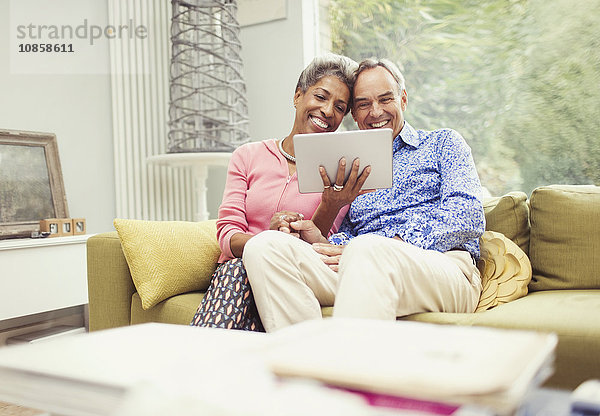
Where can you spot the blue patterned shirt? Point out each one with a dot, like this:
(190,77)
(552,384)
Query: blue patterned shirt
(434,201)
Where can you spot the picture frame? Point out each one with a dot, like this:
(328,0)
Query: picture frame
(32,186)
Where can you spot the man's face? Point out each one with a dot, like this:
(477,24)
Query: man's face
(377,101)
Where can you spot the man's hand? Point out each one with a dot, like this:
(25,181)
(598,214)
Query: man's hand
(330,254)
(308,231)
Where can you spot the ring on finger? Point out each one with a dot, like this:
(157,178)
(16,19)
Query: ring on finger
(326,186)
(337,187)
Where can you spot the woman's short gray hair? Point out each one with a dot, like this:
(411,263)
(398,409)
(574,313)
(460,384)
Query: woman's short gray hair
(329,64)
(384,63)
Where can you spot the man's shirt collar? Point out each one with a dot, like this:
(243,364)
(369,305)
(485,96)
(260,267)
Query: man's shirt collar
(408,135)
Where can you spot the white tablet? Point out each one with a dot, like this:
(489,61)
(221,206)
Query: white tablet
(373,147)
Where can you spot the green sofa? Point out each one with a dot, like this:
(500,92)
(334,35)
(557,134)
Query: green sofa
(558,227)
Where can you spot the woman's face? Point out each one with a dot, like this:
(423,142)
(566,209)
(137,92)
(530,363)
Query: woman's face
(322,107)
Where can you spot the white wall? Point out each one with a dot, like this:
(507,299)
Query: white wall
(273,59)
(274,54)
(77,108)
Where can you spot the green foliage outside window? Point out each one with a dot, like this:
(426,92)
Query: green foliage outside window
(517,78)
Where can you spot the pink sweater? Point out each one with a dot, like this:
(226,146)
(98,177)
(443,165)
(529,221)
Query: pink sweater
(258,185)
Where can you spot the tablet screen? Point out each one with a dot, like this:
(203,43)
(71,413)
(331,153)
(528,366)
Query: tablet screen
(373,147)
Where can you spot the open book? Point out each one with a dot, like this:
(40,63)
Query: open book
(487,367)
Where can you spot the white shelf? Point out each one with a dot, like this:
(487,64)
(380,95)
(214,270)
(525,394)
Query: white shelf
(19,243)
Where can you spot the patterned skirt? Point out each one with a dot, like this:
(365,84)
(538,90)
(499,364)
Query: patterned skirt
(228,302)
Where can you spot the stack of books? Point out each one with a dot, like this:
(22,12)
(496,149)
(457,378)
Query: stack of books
(435,369)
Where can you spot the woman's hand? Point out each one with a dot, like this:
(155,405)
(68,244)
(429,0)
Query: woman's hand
(281,220)
(336,196)
(342,193)
(330,254)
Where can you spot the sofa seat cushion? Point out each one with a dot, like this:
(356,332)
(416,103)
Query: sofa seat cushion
(571,314)
(565,237)
(445,318)
(178,309)
(327,311)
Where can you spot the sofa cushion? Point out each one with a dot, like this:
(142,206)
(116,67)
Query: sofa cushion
(505,271)
(565,237)
(167,258)
(509,215)
(179,309)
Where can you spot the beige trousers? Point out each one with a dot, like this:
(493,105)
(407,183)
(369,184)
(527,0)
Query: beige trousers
(378,278)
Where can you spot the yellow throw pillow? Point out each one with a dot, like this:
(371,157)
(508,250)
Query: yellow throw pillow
(505,271)
(167,258)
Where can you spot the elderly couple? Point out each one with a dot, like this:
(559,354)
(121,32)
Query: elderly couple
(382,254)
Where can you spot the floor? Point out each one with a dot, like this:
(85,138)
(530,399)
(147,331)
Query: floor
(7,409)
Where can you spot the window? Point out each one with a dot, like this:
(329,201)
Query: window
(517,78)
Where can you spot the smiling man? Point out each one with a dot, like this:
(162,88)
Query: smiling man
(380,97)
(408,249)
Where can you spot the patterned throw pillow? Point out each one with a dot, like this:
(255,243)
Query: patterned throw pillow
(167,258)
(505,271)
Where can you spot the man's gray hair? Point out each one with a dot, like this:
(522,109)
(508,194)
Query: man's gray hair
(329,64)
(384,63)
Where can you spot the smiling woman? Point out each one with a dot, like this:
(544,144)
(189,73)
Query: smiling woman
(261,192)
(320,108)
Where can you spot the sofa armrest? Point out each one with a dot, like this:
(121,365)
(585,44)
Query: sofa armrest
(110,287)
